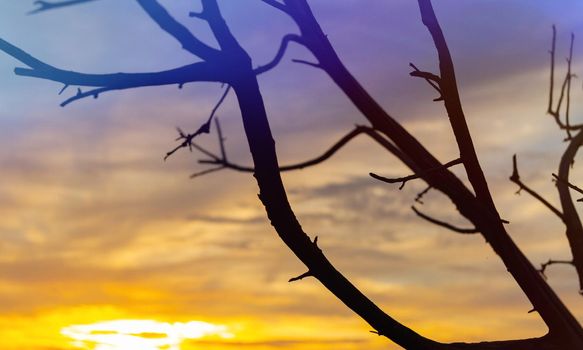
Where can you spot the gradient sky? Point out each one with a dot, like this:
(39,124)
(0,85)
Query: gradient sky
(95,228)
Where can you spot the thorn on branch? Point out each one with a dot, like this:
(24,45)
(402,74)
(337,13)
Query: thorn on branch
(316,243)
(308,63)
(199,15)
(301,277)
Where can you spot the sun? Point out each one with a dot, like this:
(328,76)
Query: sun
(140,334)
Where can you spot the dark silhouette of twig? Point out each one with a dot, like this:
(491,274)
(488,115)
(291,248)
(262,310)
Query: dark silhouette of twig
(550,262)
(430,78)
(568,213)
(403,180)
(52,5)
(443,223)
(565,91)
(280,53)
(566,182)
(222,160)
(276,4)
(307,63)
(515,177)
(421,194)
(203,129)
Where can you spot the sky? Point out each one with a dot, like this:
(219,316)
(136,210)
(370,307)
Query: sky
(105,246)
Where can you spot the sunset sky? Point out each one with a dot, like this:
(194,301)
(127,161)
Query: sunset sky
(104,246)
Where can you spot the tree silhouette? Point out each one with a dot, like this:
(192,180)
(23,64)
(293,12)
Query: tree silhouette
(231,65)
(568,214)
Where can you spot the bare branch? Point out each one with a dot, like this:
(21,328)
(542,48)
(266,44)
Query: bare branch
(569,78)
(170,25)
(52,5)
(203,129)
(196,72)
(443,223)
(430,78)
(405,179)
(280,53)
(297,166)
(222,160)
(566,182)
(515,177)
(276,4)
(565,91)
(552,80)
(453,106)
(207,171)
(421,194)
(550,262)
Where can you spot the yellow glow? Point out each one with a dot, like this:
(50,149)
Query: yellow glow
(140,334)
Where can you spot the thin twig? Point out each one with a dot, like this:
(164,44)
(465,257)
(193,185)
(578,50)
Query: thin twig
(405,179)
(515,177)
(203,129)
(573,187)
(550,262)
(432,79)
(308,63)
(276,4)
(421,194)
(297,166)
(280,53)
(444,224)
(48,5)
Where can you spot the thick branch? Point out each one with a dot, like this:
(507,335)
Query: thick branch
(544,300)
(196,72)
(572,220)
(515,177)
(449,89)
(170,25)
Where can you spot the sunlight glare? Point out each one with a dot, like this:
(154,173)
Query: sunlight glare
(140,334)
